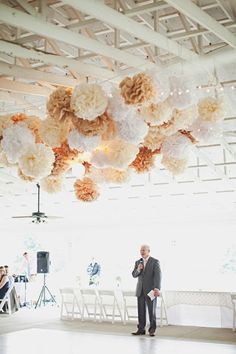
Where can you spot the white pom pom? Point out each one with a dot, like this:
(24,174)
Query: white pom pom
(16,140)
(161,83)
(81,142)
(176,146)
(117,108)
(133,129)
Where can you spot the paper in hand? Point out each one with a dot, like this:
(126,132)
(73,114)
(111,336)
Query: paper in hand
(151,295)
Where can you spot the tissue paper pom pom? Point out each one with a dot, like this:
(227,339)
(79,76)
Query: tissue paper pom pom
(16,140)
(144,160)
(59,104)
(114,153)
(176,146)
(181,92)
(180,120)
(154,138)
(98,126)
(206,132)
(211,109)
(86,190)
(133,129)
(161,83)
(81,142)
(52,184)
(175,166)
(157,114)
(33,123)
(54,133)
(37,161)
(108,175)
(138,89)
(88,101)
(24,177)
(116,176)
(117,108)
(64,156)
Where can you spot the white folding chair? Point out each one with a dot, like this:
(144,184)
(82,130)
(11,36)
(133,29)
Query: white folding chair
(161,311)
(110,306)
(130,306)
(91,304)
(70,303)
(6,301)
(233,299)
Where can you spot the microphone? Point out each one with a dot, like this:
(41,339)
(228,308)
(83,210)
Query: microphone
(141,261)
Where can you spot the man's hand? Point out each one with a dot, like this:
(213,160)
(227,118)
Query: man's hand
(140,267)
(156,292)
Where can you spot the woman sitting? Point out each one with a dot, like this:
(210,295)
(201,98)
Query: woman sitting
(4,282)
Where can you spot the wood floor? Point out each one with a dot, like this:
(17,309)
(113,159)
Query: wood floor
(48,341)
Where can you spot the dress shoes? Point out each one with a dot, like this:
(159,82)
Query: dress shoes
(152,334)
(138,333)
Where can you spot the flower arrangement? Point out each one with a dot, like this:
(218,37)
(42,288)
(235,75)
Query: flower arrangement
(109,136)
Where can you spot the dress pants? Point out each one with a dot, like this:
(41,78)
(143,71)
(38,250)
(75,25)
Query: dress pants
(143,301)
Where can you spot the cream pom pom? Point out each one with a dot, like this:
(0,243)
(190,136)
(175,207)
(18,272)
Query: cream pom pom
(114,153)
(52,184)
(133,129)
(176,146)
(81,142)
(157,114)
(161,83)
(88,101)
(54,133)
(137,90)
(116,176)
(108,175)
(16,140)
(211,109)
(37,161)
(86,190)
(175,166)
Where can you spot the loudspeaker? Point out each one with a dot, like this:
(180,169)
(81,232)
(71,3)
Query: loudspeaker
(43,262)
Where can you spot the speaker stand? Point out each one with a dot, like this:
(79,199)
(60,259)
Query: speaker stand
(42,295)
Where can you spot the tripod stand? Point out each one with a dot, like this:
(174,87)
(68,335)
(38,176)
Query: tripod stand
(42,295)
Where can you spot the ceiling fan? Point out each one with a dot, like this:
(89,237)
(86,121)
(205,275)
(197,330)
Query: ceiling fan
(37,216)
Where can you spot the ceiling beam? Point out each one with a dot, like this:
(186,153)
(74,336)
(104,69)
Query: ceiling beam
(16,50)
(16,86)
(33,24)
(35,75)
(189,9)
(117,20)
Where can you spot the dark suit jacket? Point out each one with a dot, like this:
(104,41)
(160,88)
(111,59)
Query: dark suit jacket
(149,278)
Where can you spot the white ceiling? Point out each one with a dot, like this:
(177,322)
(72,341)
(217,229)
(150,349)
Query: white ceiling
(44,44)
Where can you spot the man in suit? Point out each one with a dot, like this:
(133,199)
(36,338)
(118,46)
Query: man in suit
(147,270)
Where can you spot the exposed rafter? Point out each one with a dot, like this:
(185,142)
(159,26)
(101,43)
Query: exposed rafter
(33,24)
(16,86)
(115,19)
(62,62)
(189,9)
(35,75)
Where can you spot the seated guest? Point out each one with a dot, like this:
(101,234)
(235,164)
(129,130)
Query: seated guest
(4,282)
(10,277)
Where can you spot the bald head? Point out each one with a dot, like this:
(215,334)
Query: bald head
(144,251)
